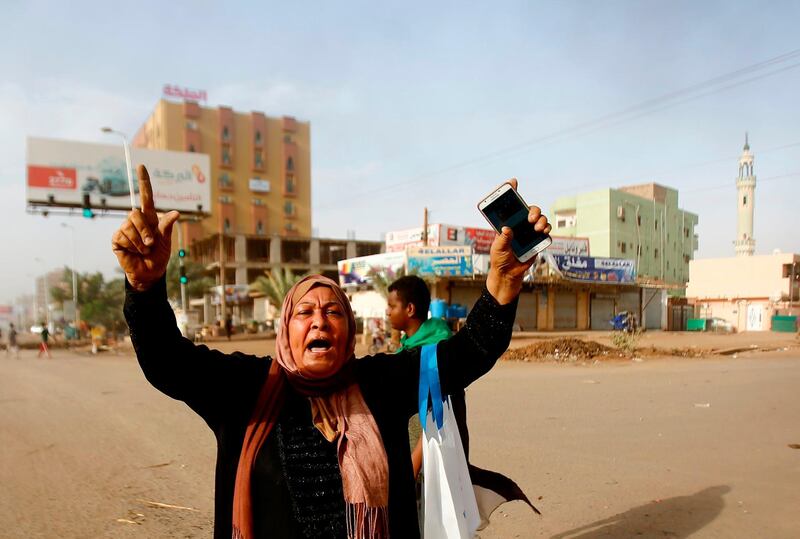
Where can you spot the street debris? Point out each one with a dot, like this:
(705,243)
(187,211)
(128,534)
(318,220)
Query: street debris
(159,465)
(564,349)
(166,505)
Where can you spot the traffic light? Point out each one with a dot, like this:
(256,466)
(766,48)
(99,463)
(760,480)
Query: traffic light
(184,279)
(87,207)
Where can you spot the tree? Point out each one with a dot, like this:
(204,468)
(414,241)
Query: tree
(382,278)
(198,283)
(275,285)
(100,301)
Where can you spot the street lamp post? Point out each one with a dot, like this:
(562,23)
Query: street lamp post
(127,161)
(74,280)
(46,294)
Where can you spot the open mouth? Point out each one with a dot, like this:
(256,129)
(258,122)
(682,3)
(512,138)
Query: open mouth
(319,346)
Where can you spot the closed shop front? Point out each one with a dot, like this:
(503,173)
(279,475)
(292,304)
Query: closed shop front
(566,311)
(628,301)
(526,311)
(464,294)
(602,311)
(653,307)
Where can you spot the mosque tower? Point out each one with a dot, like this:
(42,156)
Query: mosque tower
(746,187)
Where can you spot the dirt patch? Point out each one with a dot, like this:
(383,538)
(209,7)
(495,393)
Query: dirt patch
(565,349)
(571,349)
(654,351)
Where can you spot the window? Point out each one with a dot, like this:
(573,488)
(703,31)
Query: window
(225,133)
(259,160)
(258,136)
(191,148)
(258,202)
(288,208)
(191,124)
(287,138)
(227,226)
(686,259)
(290,165)
(744,200)
(656,223)
(225,181)
(655,253)
(622,246)
(639,220)
(226,156)
(225,199)
(260,228)
(290,186)
(565,219)
(686,232)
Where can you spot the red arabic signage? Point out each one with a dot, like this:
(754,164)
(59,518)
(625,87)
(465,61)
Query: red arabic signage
(52,177)
(173,90)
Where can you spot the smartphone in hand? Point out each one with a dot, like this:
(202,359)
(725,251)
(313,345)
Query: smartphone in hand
(505,207)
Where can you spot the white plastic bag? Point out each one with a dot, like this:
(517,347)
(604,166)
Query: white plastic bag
(450,510)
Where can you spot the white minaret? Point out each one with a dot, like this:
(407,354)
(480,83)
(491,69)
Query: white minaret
(746,189)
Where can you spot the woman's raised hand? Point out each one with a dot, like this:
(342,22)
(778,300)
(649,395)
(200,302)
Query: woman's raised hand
(143,242)
(506,272)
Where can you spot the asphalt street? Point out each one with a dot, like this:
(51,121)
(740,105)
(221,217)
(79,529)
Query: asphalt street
(659,448)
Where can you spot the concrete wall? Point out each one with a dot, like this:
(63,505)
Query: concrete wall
(758,276)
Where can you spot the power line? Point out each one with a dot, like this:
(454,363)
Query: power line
(643,108)
(731,158)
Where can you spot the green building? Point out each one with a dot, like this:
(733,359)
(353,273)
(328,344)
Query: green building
(638,222)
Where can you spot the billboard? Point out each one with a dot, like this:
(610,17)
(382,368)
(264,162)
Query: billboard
(594,270)
(355,271)
(443,261)
(564,246)
(63,173)
(398,240)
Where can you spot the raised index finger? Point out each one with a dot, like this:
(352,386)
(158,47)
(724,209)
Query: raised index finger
(145,190)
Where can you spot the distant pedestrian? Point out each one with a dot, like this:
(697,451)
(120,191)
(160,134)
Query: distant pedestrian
(43,349)
(12,341)
(228,327)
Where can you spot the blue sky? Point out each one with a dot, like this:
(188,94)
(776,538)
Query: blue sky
(398,97)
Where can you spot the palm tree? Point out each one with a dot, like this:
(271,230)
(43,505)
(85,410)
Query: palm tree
(382,278)
(275,285)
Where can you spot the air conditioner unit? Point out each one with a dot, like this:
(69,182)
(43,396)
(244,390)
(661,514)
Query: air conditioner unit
(621,212)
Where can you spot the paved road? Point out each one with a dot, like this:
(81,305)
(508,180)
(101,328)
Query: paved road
(666,448)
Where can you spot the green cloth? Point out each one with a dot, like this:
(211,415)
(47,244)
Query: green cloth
(431,331)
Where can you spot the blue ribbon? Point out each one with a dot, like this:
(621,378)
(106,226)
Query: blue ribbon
(429,385)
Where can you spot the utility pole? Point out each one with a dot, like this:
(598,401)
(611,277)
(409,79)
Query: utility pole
(425,227)
(181,263)
(223,301)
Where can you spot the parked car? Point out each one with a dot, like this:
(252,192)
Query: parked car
(719,325)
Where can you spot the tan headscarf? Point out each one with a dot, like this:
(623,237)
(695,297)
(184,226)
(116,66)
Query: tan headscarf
(338,411)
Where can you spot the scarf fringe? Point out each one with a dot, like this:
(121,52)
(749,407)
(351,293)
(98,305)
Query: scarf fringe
(366,522)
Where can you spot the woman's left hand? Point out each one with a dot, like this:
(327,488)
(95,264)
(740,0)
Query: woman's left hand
(505,271)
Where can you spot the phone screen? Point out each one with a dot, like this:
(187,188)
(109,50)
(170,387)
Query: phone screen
(508,210)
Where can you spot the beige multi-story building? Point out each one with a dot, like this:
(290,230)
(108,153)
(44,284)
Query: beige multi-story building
(260,167)
(746,291)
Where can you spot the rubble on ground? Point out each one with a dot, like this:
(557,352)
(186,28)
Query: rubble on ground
(571,349)
(564,349)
